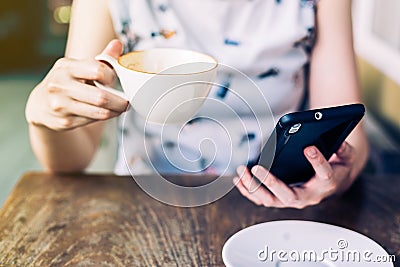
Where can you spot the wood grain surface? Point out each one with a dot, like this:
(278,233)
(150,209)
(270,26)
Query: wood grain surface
(89,220)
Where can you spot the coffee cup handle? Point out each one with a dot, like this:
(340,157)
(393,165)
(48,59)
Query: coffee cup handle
(110,90)
(113,62)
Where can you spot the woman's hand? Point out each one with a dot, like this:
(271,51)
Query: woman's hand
(330,177)
(64,100)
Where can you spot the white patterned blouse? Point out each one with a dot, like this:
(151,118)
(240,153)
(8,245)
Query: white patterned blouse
(268,40)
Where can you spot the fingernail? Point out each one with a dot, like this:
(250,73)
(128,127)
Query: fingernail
(235,180)
(311,152)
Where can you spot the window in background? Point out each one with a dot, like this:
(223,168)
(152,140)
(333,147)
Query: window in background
(377,34)
(386,22)
(377,43)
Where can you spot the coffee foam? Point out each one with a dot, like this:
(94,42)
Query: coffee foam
(133,61)
(158,60)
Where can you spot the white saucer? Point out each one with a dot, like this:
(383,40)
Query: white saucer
(322,244)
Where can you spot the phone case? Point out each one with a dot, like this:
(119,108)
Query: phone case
(325,128)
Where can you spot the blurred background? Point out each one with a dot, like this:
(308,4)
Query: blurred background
(33,34)
(32,37)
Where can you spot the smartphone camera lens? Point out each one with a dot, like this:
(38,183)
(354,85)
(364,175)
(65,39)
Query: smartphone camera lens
(318,116)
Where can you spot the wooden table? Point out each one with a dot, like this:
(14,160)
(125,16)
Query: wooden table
(90,220)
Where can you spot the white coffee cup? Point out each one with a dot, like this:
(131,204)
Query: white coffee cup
(164,85)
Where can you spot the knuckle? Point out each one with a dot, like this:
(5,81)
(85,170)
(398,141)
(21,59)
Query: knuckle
(270,181)
(312,202)
(255,201)
(316,201)
(244,179)
(299,206)
(249,182)
(53,87)
(61,63)
(245,193)
(328,175)
(101,99)
(292,201)
(268,201)
(266,204)
(104,113)
(320,160)
(66,123)
(99,72)
(56,105)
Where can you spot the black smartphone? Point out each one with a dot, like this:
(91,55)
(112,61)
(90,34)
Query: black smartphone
(325,128)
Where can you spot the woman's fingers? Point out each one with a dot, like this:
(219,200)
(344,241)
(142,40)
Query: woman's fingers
(325,182)
(91,69)
(322,168)
(63,84)
(252,189)
(61,107)
(64,94)
(114,48)
(91,112)
(243,190)
(62,123)
(247,179)
(260,197)
(97,97)
(281,191)
(64,101)
(277,193)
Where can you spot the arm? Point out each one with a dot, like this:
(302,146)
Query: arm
(333,75)
(65,113)
(333,81)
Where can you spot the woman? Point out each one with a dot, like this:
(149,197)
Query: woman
(270,40)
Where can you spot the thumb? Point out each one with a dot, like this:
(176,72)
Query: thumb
(114,48)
